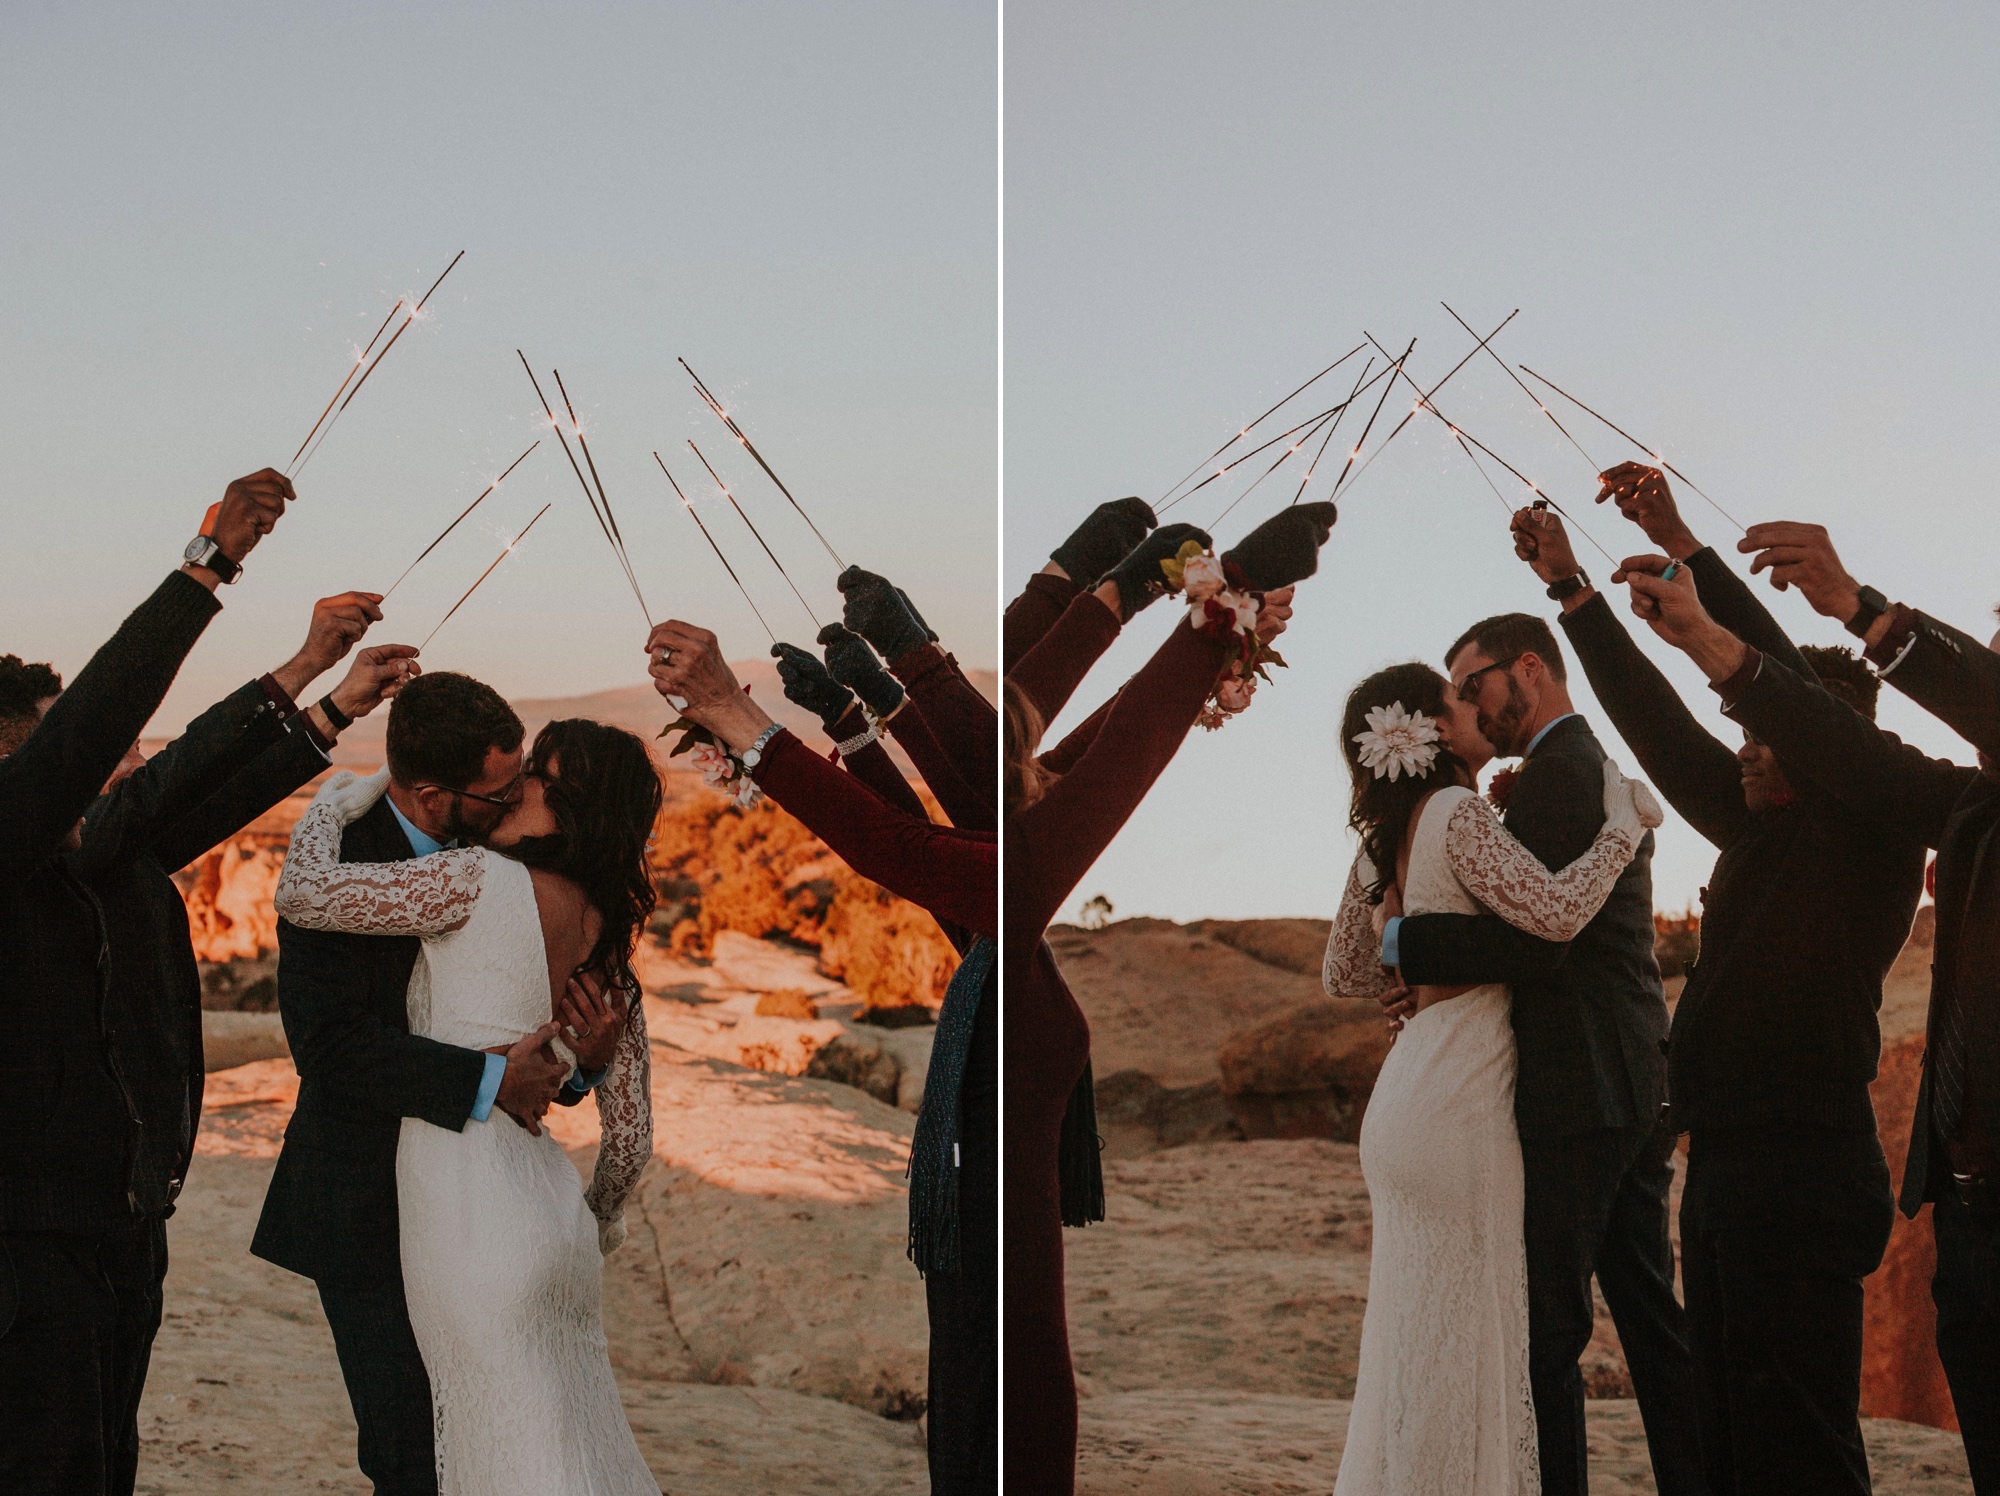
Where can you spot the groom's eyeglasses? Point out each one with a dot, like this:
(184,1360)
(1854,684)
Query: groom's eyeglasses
(511,798)
(1469,688)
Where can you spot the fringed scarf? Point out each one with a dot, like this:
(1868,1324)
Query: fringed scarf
(934,1155)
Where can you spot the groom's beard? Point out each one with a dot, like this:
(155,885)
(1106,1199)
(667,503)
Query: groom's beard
(1503,728)
(464,829)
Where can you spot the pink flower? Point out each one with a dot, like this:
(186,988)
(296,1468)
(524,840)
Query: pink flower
(1202,577)
(1234,693)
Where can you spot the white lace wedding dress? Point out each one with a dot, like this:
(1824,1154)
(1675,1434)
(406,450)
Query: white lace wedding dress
(1441,1399)
(502,1246)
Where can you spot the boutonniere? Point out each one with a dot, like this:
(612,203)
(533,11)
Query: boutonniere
(1501,786)
(1222,606)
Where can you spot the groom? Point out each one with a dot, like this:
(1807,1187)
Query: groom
(1590,1023)
(454,748)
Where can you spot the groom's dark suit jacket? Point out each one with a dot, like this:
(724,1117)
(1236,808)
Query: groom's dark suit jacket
(1589,1017)
(331,1209)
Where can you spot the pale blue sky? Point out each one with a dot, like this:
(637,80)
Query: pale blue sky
(202,207)
(1762,237)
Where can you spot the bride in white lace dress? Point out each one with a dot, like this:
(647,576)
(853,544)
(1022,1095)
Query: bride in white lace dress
(1441,1400)
(502,1246)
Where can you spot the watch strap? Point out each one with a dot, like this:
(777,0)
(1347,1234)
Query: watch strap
(754,754)
(205,550)
(340,720)
(1569,586)
(1873,606)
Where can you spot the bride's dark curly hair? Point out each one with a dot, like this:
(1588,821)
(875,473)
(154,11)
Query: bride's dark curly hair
(602,788)
(1380,809)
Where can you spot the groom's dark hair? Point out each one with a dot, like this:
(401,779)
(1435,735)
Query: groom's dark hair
(441,727)
(1509,634)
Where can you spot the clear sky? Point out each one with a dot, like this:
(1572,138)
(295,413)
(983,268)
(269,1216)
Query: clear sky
(204,208)
(1759,236)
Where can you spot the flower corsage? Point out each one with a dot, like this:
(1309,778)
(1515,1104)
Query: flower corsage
(1222,605)
(1501,786)
(720,769)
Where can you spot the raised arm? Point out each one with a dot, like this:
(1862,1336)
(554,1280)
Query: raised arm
(1106,535)
(421,896)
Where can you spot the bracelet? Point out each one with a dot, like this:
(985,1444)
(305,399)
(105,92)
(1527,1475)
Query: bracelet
(860,740)
(340,720)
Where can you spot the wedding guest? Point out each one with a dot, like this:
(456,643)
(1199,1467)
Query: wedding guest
(1055,829)
(81,1249)
(951,871)
(1106,537)
(1953,1162)
(1774,1042)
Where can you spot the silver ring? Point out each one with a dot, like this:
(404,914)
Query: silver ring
(662,655)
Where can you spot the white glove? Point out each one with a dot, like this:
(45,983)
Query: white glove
(351,794)
(1629,806)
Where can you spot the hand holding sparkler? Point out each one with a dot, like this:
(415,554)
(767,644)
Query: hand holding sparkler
(1642,496)
(851,662)
(809,684)
(1285,548)
(338,623)
(1138,578)
(687,662)
(1542,542)
(250,509)
(377,675)
(1103,539)
(876,610)
(1803,556)
(1672,609)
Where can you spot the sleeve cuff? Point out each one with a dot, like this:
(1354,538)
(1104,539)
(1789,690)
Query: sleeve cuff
(581,1081)
(1888,651)
(1392,947)
(1732,688)
(482,1106)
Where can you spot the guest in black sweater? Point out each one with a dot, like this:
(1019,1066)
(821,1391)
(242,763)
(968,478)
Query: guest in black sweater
(80,1251)
(1774,1042)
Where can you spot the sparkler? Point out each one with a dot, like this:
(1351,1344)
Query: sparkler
(1312,421)
(1594,467)
(760,539)
(1650,451)
(455,523)
(714,547)
(617,547)
(737,432)
(298,464)
(617,539)
(1424,395)
(1313,466)
(485,574)
(1331,417)
(1259,421)
(1392,371)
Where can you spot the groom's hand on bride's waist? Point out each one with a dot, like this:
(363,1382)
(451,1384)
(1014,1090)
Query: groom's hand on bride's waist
(533,1075)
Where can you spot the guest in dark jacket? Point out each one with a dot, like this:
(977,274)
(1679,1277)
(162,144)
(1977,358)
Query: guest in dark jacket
(81,1248)
(1774,1042)
(1055,829)
(1589,1023)
(1956,809)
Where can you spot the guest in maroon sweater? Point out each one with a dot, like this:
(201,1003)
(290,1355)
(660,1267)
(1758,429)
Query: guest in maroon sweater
(1055,829)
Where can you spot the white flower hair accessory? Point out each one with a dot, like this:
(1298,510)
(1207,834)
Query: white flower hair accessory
(1398,742)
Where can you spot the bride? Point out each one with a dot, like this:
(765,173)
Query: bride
(501,1244)
(1441,1399)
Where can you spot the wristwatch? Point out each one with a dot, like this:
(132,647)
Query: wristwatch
(203,550)
(754,754)
(1873,606)
(1569,586)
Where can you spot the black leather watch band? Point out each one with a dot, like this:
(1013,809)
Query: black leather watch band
(1873,606)
(340,720)
(203,551)
(1569,586)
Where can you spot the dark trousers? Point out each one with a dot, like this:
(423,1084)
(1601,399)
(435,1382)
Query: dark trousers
(387,1386)
(964,1393)
(1597,1205)
(1779,1225)
(78,1312)
(1966,1290)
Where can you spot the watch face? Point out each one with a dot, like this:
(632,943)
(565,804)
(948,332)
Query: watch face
(196,548)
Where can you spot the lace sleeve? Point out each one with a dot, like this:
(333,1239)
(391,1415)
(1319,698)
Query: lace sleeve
(1353,964)
(625,1114)
(1512,882)
(423,896)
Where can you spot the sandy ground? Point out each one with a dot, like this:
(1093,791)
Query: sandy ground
(767,1332)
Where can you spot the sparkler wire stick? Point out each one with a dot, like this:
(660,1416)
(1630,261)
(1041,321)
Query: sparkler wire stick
(1327,419)
(353,369)
(617,538)
(415,312)
(1652,452)
(760,539)
(714,547)
(1313,466)
(1423,395)
(1455,436)
(1312,421)
(455,523)
(485,574)
(1395,368)
(588,497)
(1539,403)
(1251,426)
(748,446)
